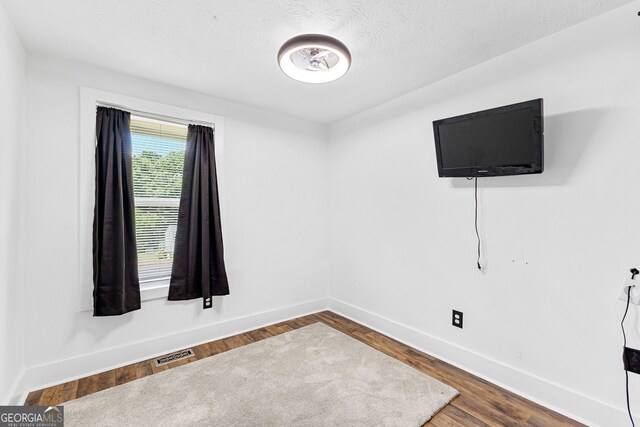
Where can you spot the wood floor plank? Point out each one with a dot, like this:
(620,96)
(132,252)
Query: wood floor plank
(125,374)
(479,404)
(285,328)
(52,396)
(209,349)
(143,369)
(95,383)
(249,338)
(484,412)
(296,324)
(462,417)
(218,346)
(308,320)
(442,419)
(235,341)
(86,386)
(160,368)
(254,336)
(201,351)
(536,421)
(33,398)
(107,379)
(278,329)
(69,391)
(244,339)
(260,334)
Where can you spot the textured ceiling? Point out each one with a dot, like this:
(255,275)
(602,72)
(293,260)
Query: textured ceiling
(228,48)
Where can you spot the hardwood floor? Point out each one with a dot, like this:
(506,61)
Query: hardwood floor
(480,403)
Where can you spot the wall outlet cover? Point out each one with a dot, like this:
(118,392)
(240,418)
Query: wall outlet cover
(456,319)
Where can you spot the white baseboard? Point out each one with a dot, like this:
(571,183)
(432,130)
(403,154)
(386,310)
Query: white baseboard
(548,394)
(60,371)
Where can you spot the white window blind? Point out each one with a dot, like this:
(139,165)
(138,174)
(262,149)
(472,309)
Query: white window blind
(158,158)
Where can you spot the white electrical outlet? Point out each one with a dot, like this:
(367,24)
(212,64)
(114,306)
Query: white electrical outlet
(634,285)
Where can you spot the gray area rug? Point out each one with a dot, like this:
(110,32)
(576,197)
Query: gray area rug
(313,376)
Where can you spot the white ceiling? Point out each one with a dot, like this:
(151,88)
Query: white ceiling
(227,48)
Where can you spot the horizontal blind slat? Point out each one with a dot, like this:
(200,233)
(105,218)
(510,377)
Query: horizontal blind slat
(158,159)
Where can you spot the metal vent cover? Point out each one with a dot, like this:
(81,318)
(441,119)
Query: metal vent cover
(174,357)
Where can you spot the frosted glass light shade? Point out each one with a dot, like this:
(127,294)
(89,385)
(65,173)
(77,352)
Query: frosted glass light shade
(314,58)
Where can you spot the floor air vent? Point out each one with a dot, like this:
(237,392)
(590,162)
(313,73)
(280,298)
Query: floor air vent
(173,357)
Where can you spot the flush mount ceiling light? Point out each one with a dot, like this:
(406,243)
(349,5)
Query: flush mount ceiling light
(314,58)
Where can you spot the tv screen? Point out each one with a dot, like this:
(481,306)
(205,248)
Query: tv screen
(501,141)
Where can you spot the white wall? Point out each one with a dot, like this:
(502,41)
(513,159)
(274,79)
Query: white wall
(275,213)
(556,246)
(402,245)
(12,83)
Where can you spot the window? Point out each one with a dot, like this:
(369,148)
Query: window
(158,157)
(170,118)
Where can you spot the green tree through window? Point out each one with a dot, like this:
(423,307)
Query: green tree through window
(158,159)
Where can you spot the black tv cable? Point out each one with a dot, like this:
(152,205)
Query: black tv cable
(476,218)
(624,337)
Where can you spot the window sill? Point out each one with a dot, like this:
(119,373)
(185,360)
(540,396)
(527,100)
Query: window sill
(154,289)
(151,290)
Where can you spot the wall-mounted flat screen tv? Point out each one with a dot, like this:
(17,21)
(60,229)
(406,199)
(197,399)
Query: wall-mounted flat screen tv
(506,140)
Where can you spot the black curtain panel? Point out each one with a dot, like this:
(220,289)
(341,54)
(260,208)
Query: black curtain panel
(198,261)
(116,289)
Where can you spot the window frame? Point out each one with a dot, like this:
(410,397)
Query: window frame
(89,99)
